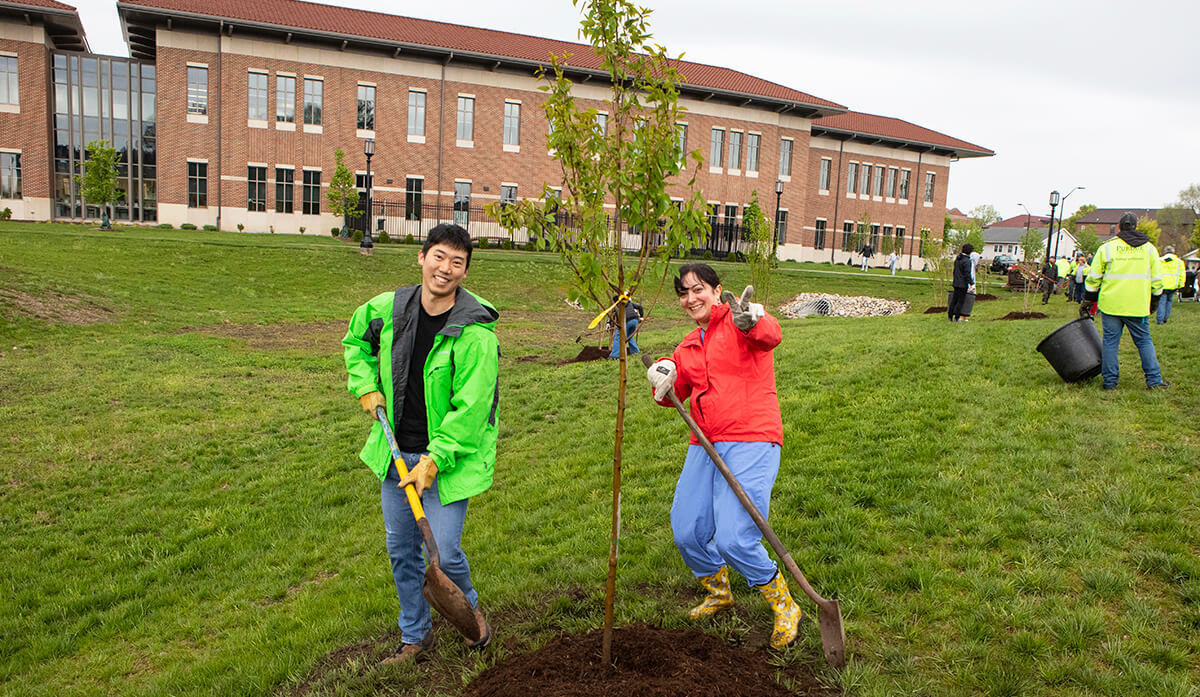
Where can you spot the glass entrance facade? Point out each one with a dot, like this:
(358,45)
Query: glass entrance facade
(111,99)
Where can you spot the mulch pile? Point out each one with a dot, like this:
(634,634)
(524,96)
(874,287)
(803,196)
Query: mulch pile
(649,662)
(984,297)
(935,310)
(1023,315)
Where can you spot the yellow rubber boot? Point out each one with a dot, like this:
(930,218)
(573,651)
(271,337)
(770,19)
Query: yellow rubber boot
(719,597)
(787,612)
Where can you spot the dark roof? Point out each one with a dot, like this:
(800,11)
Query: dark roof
(59,19)
(1112,216)
(895,132)
(425,37)
(1020,221)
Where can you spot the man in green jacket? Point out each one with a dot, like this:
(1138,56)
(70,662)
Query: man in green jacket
(429,354)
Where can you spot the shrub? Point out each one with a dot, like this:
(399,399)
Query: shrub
(483,243)
(333,231)
(187,226)
(408,239)
(241,228)
(6,214)
(708,255)
(507,244)
(531,246)
(210,228)
(301,229)
(384,238)
(165,226)
(358,235)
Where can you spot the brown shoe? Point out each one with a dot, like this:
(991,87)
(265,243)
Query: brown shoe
(485,633)
(411,653)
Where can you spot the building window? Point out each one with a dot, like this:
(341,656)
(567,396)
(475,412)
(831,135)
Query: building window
(197,87)
(887,231)
(313,101)
(899,245)
(413,188)
(466,119)
(785,157)
(416,113)
(826,170)
(8,81)
(10,175)
(864,182)
(929,187)
(852,178)
(904,175)
(752,141)
(879,170)
(256,97)
(602,122)
(360,181)
(285,99)
(891,182)
(197,185)
(681,143)
(781,226)
(284,179)
(735,150)
(731,210)
(819,235)
(512,123)
(256,189)
(847,234)
(462,203)
(508,194)
(311,193)
(366,108)
(718,147)
(875,235)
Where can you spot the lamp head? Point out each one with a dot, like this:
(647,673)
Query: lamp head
(369,147)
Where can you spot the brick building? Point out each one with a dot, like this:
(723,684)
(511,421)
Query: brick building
(243,105)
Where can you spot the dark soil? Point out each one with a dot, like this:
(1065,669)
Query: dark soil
(649,662)
(1023,315)
(935,310)
(984,297)
(589,353)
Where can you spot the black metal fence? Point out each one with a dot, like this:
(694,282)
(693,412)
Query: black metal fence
(400,220)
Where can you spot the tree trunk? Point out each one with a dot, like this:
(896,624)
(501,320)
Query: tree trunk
(610,590)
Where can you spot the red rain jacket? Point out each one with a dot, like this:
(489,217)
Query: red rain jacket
(730,377)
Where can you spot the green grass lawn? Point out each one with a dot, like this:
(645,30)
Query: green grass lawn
(184,512)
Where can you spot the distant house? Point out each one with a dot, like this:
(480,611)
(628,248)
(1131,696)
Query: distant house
(957,217)
(1004,236)
(1104,221)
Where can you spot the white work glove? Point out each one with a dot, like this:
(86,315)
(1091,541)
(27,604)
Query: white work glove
(971,288)
(662,377)
(745,313)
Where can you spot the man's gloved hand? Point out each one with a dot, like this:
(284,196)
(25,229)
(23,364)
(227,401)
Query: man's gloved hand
(1087,309)
(421,475)
(662,377)
(971,288)
(745,313)
(371,400)
(1154,303)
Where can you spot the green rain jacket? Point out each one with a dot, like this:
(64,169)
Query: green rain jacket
(462,384)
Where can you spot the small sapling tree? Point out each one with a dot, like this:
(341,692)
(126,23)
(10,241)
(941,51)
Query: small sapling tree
(98,185)
(760,247)
(615,177)
(342,194)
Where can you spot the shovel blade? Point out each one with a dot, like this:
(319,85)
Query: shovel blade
(450,602)
(833,633)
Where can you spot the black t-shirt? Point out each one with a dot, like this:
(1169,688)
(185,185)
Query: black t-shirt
(412,430)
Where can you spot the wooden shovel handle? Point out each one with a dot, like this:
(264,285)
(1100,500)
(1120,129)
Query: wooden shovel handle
(414,501)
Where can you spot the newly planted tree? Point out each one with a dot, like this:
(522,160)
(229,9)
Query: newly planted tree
(342,194)
(98,185)
(760,247)
(615,178)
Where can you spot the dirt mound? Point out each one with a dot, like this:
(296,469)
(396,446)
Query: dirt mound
(54,307)
(935,310)
(1023,315)
(589,353)
(984,297)
(649,662)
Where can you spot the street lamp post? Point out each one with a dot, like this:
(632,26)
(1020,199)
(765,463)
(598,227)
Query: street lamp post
(368,150)
(1053,204)
(1060,212)
(778,196)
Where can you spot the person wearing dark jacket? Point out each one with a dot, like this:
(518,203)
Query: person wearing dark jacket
(962,282)
(633,316)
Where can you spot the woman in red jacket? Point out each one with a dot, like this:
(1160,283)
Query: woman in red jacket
(726,367)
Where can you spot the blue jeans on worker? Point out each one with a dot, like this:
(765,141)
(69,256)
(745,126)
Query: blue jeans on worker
(710,525)
(404,546)
(630,326)
(1139,331)
(1164,306)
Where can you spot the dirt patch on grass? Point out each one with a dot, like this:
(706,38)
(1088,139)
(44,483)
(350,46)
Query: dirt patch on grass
(647,661)
(1022,315)
(321,337)
(52,306)
(984,297)
(588,353)
(934,310)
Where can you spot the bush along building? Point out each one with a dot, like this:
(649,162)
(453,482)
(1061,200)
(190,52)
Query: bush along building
(229,113)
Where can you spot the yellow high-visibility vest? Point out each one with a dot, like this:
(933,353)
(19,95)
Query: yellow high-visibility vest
(1173,273)
(1126,278)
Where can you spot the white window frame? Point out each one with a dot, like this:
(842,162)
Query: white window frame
(825,171)
(514,146)
(10,97)
(852,174)
(459,131)
(252,122)
(791,153)
(417,135)
(716,150)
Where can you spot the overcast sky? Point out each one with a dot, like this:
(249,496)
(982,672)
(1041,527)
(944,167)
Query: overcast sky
(1101,94)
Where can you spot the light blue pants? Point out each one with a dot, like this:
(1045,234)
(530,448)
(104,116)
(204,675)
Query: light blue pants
(710,525)
(1139,331)
(630,328)
(404,546)
(1164,306)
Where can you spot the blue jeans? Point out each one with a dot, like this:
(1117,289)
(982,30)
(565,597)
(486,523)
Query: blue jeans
(1164,306)
(630,326)
(1139,331)
(404,546)
(710,525)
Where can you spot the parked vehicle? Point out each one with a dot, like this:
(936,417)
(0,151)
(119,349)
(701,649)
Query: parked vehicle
(1002,263)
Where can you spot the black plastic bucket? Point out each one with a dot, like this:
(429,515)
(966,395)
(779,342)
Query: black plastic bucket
(968,303)
(1073,350)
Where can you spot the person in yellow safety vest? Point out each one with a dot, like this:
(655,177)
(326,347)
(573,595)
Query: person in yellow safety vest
(1069,274)
(1062,268)
(1124,283)
(1079,273)
(1173,275)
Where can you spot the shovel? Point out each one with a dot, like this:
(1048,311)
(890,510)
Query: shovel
(439,590)
(829,615)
